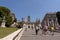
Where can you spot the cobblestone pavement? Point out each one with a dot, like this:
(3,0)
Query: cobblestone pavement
(30,35)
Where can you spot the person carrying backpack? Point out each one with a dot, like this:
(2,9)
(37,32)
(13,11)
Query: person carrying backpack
(45,28)
(52,30)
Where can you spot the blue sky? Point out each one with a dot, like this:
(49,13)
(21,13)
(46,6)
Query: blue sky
(33,8)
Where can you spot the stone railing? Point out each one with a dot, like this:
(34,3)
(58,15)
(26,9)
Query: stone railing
(19,35)
(13,35)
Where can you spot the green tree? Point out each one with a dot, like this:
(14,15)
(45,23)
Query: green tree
(0,21)
(4,11)
(15,20)
(58,17)
(20,24)
(8,21)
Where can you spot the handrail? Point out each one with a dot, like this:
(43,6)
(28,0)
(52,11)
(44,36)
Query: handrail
(12,36)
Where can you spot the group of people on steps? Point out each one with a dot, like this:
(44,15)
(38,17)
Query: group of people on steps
(44,29)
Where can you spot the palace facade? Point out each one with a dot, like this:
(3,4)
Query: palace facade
(50,19)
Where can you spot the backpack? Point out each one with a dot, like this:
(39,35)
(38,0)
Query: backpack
(52,28)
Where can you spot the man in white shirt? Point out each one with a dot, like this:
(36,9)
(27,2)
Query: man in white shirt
(36,29)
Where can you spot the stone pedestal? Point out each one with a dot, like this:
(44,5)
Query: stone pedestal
(3,22)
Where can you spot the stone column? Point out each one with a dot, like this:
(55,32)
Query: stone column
(52,22)
(48,22)
(57,22)
(45,22)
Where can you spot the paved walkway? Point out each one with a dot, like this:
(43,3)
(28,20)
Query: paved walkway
(30,35)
